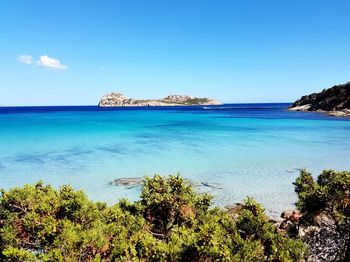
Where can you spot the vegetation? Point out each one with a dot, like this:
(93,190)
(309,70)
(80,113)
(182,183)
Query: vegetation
(325,205)
(329,193)
(196,101)
(169,223)
(334,98)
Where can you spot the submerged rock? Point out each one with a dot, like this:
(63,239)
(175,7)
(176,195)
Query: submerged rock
(212,186)
(136,181)
(131,181)
(294,170)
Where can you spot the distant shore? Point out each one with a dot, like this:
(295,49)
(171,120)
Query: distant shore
(120,100)
(334,101)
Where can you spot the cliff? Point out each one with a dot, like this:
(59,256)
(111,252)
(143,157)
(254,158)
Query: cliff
(334,100)
(119,100)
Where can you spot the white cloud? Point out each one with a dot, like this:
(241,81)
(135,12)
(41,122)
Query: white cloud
(25,59)
(50,62)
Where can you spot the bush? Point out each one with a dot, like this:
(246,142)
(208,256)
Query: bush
(169,223)
(330,193)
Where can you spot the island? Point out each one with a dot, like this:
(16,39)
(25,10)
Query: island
(333,101)
(120,100)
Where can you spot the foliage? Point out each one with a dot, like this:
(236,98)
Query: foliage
(171,203)
(169,223)
(334,98)
(196,101)
(330,192)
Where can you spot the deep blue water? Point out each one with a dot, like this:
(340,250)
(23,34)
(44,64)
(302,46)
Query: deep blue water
(238,149)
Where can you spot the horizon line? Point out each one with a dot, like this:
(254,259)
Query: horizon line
(96,105)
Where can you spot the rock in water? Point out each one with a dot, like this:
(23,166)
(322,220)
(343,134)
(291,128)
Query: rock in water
(131,181)
(120,100)
(334,100)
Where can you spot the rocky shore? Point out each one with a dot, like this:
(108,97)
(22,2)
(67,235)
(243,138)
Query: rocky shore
(120,100)
(334,101)
(326,239)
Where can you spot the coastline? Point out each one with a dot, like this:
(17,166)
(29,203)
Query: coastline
(335,113)
(333,101)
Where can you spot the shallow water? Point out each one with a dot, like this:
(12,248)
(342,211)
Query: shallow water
(239,149)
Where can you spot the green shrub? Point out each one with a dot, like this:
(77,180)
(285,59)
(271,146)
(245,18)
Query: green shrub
(171,202)
(169,223)
(331,193)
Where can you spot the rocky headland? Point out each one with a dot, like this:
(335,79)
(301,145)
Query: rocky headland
(334,101)
(120,100)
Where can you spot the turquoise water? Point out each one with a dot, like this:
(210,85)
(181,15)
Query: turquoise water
(240,150)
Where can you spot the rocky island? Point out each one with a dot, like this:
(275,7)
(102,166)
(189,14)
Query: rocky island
(334,101)
(120,100)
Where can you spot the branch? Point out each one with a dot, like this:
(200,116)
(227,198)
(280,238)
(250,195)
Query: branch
(19,208)
(156,234)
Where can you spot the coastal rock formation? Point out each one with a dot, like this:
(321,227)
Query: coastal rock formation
(119,100)
(327,240)
(335,101)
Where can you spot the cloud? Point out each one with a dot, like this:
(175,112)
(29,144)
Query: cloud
(25,59)
(50,62)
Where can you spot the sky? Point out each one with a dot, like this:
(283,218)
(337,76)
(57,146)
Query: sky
(73,52)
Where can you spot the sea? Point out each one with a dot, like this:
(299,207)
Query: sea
(230,151)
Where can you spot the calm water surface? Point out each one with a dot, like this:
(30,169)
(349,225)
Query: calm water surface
(237,149)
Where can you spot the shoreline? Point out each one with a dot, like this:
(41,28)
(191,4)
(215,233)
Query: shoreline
(335,113)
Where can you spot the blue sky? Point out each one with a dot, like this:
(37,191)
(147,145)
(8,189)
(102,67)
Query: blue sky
(235,51)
